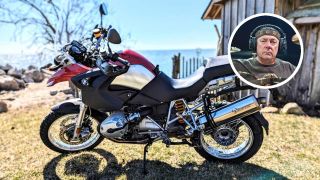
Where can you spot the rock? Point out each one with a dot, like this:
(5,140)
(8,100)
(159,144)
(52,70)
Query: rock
(15,73)
(8,83)
(21,83)
(67,91)
(270,109)
(53,93)
(6,67)
(36,75)
(2,72)
(31,67)
(27,79)
(3,107)
(292,108)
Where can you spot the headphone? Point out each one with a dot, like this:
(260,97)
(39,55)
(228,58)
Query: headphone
(282,41)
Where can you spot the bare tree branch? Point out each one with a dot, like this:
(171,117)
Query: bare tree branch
(49,24)
(50,21)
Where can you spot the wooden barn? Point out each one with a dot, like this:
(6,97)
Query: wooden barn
(305,15)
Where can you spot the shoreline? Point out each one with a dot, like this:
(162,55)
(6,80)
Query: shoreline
(35,94)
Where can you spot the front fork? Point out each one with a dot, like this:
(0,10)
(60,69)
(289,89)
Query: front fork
(82,112)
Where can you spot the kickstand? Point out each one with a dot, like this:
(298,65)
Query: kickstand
(145,157)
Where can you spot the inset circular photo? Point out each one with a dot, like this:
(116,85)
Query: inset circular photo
(265,51)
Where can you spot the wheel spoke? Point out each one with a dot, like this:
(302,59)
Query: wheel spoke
(228,141)
(61,131)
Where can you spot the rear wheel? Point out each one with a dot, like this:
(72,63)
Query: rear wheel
(233,142)
(56,132)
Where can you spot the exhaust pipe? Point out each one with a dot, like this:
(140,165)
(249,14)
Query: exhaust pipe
(238,109)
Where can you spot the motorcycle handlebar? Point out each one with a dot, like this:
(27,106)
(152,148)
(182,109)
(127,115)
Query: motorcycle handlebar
(54,68)
(122,61)
(115,57)
(109,69)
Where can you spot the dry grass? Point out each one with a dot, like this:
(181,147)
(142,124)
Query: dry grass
(292,150)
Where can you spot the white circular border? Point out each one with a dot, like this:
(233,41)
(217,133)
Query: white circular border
(301,50)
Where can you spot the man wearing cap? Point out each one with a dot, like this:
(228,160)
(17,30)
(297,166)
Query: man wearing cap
(264,68)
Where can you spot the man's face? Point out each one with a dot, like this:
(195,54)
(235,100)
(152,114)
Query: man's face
(267,47)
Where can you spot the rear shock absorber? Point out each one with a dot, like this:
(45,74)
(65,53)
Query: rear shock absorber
(180,107)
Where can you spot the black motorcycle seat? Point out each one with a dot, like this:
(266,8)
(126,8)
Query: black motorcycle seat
(216,67)
(188,81)
(165,89)
(217,72)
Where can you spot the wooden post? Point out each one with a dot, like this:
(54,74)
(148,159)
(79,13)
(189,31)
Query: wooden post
(183,68)
(176,66)
(186,69)
(190,66)
(194,65)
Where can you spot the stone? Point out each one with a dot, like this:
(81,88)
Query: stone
(27,79)
(2,72)
(15,73)
(3,107)
(269,109)
(53,93)
(292,108)
(8,83)
(23,71)
(6,67)
(36,75)
(21,83)
(31,67)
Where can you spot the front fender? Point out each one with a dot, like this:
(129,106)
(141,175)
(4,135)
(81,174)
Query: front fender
(73,105)
(67,106)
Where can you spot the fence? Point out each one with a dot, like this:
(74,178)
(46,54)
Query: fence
(183,67)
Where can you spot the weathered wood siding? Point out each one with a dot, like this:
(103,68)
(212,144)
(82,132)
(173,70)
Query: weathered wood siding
(305,87)
(284,7)
(234,11)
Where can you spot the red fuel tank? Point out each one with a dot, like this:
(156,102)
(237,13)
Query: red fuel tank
(137,59)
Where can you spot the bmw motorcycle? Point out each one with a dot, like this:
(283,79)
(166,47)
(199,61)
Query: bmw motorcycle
(126,99)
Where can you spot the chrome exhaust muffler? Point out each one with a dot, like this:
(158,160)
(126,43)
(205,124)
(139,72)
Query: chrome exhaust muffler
(235,110)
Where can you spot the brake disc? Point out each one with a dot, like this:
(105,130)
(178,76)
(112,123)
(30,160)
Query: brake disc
(67,131)
(225,135)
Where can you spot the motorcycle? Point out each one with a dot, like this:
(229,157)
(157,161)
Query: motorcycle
(126,99)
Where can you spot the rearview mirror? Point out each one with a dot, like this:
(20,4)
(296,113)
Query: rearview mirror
(103,9)
(113,36)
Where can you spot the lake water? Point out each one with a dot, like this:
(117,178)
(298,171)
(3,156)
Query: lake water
(163,58)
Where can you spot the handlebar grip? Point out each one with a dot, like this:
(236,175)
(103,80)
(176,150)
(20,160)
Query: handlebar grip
(115,57)
(122,61)
(54,68)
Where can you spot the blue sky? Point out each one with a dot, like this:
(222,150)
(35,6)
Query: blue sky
(150,24)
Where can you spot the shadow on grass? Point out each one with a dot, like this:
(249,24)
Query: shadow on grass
(87,166)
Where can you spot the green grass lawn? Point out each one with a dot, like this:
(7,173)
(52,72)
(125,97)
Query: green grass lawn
(292,150)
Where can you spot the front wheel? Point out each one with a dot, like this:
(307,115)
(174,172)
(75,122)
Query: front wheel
(233,142)
(56,132)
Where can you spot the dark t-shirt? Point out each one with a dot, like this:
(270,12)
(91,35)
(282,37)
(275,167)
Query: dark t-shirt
(260,74)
